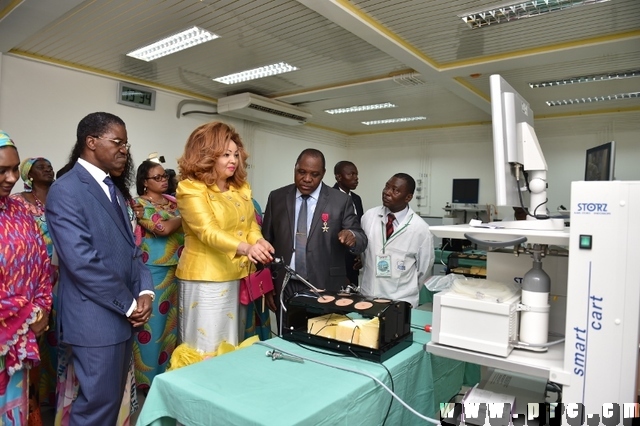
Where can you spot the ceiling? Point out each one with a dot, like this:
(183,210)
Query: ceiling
(417,54)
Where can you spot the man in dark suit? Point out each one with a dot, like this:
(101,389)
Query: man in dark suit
(104,288)
(332,228)
(346,174)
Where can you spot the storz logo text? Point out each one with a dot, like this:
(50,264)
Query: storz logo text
(593,208)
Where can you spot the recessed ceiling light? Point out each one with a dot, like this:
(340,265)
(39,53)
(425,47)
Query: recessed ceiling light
(359,108)
(617,97)
(587,79)
(513,10)
(172,44)
(393,120)
(255,73)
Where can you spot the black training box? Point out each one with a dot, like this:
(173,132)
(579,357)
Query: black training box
(394,323)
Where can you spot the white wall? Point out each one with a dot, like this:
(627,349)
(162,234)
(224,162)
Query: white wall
(433,157)
(274,151)
(440,155)
(41,104)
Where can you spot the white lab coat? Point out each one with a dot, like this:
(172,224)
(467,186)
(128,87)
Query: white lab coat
(411,251)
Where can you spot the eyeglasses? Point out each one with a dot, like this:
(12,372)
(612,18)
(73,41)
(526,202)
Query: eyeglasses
(120,144)
(159,178)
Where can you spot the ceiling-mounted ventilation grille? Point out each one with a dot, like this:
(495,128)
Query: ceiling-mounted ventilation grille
(277,112)
(249,106)
(409,79)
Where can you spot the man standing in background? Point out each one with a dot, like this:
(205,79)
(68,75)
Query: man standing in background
(399,257)
(346,174)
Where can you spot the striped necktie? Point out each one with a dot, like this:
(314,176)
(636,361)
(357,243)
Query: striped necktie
(390,218)
(301,238)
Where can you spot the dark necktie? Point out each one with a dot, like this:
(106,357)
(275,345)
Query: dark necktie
(114,198)
(301,238)
(390,218)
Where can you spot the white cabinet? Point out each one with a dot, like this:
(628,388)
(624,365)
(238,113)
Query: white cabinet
(598,362)
(533,364)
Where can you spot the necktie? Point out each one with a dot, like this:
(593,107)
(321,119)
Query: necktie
(114,197)
(390,218)
(301,239)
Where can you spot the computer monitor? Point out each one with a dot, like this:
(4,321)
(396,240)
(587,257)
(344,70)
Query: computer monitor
(600,162)
(516,150)
(465,191)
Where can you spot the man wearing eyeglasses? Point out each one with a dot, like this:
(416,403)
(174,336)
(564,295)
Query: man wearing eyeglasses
(104,289)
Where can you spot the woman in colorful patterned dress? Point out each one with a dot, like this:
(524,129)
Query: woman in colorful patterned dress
(25,293)
(37,175)
(161,247)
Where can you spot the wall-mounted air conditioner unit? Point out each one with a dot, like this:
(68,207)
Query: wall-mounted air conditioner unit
(249,106)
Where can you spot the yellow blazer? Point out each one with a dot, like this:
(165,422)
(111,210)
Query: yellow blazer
(215,223)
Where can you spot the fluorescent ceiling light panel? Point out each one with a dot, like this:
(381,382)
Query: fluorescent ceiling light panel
(513,10)
(393,120)
(172,44)
(255,73)
(587,79)
(359,108)
(617,97)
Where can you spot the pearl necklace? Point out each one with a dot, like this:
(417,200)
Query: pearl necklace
(39,203)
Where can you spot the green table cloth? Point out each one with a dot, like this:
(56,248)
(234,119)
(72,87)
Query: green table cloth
(245,387)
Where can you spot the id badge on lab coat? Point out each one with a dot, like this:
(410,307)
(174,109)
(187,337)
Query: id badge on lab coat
(383,265)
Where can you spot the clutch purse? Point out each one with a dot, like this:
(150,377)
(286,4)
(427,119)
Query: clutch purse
(255,285)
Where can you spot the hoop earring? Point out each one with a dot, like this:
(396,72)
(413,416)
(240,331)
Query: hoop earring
(145,189)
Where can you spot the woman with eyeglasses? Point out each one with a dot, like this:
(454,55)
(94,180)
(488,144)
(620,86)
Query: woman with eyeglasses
(222,237)
(161,246)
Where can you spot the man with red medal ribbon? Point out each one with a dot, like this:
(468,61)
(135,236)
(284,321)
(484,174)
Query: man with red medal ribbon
(311,226)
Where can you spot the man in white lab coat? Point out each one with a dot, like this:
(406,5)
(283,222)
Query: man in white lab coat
(399,257)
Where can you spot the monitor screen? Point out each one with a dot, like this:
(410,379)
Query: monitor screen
(515,145)
(465,191)
(519,164)
(600,162)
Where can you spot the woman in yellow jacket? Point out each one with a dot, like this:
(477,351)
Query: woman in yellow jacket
(222,236)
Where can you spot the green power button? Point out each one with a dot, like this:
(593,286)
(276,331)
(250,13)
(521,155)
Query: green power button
(585,242)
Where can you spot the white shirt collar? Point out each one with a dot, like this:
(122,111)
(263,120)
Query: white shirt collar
(315,194)
(343,191)
(93,170)
(400,216)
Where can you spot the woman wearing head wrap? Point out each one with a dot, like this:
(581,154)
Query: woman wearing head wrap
(25,293)
(37,175)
